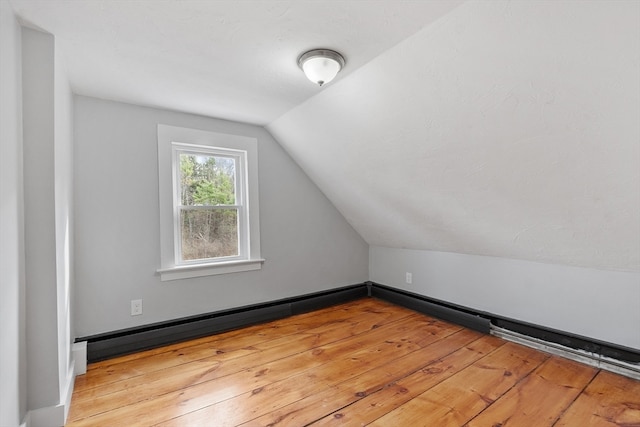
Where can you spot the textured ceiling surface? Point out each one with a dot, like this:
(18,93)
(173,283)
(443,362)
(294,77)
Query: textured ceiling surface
(508,129)
(222,58)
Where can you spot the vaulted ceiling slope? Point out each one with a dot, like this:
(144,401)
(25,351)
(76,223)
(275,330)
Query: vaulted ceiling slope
(507,129)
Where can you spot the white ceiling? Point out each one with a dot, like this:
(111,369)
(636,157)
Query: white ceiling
(233,59)
(502,128)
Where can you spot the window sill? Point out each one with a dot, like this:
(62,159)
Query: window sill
(199,270)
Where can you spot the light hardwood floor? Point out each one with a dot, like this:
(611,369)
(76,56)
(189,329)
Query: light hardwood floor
(362,363)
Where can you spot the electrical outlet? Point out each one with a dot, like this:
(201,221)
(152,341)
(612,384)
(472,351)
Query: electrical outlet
(408,278)
(136,307)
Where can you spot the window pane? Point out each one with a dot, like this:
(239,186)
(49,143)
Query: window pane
(209,233)
(207,180)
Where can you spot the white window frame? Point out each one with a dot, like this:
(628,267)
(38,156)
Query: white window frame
(172,141)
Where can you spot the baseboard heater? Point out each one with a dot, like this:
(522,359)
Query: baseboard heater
(126,341)
(118,343)
(612,357)
(439,309)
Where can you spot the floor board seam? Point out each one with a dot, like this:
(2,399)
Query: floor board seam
(576,398)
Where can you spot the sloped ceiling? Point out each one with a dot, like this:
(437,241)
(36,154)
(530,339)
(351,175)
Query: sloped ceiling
(508,129)
(502,128)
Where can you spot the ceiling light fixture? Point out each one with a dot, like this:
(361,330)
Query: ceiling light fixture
(321,65)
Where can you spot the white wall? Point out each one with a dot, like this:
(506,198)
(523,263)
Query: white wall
(307,244)
(13,390)
(599,304)
(47,128)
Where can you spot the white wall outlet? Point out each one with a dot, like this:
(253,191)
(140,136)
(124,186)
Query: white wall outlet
(136,307)
(408,278)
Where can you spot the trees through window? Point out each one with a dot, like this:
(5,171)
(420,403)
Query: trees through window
(209,205)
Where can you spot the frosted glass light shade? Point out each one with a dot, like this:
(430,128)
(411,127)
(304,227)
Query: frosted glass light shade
(321,65)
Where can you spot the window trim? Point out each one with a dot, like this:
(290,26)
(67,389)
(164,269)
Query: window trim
(170,137)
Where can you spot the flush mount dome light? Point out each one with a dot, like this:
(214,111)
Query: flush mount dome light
(321,65)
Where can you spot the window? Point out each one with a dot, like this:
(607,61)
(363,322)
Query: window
(209,222)
(209,203)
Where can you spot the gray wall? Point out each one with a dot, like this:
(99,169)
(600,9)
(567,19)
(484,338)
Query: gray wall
(307,244)
(13,389)
(47,129)
(39,217)
(599,304)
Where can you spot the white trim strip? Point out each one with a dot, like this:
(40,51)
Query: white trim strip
(47,417)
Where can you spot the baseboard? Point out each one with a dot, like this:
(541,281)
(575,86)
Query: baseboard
(486,322)
(54,416)
(590,345)
(50,416)
(588,358)
(118,343)
(439,310)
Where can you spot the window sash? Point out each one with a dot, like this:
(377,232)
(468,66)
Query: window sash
(240,183)
(224,258)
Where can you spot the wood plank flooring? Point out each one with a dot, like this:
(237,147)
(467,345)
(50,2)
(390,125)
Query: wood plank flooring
(362,363)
